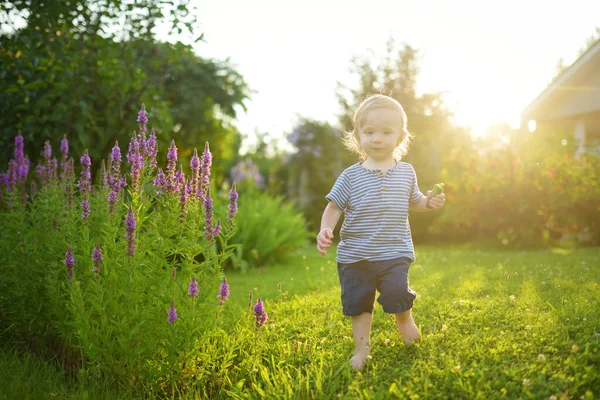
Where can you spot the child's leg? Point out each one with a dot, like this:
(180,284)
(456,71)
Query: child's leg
(361,328)
(407,327)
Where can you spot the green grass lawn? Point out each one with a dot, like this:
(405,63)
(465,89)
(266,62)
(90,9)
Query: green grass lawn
(494,324)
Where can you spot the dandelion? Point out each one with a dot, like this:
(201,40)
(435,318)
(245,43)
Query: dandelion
(193,287)
(526,383)
(575,348)
(541,357)
(512,298)
(386,341)
(232,208)
(224,292)
(457,368)
(444,327)
(172,313)
(69,263)
(259,313)
(96,258)
(130,234)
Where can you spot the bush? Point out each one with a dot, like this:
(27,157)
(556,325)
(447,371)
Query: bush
(123,279)
(270,230)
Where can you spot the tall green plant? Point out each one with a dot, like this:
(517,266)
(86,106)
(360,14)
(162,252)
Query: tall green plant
(125,277)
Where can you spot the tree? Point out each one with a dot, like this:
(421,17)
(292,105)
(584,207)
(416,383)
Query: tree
(83,68)
(429,120)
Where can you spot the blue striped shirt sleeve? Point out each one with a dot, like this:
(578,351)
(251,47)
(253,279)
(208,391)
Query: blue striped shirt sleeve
(340,193)
(415,193)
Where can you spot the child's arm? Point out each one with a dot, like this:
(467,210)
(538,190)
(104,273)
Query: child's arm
(435,203)
(329,220)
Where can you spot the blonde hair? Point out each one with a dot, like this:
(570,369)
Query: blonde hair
(372,102)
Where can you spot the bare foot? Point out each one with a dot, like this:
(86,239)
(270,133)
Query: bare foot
(409,330)
(359,359)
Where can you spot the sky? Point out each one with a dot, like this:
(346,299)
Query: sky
(491,59)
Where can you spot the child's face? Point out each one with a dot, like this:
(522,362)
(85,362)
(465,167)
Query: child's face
(380,133)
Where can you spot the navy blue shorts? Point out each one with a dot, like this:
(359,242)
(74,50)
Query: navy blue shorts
(360,281)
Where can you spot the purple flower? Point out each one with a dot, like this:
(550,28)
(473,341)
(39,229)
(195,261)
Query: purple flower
(172,313)
(204,172)
(232,208)
(193,287)
(136,161)
(171,168)
(115,162)
(151,149)
(142,118)
(195,167)
(259,313)
(223,292)
(85,208)
(85,184)
(130,234)
(70,263)
(19,145)
(160,181)
(64,148)
(47,152)
(208,214)
(96,258)
(217,229)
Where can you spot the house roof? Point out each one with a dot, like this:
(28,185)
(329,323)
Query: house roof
(579,83)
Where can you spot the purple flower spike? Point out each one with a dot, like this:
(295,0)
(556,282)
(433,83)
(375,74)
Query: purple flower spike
(64,147)
(160,181)
(223,292)
(142,118)
(259,313)
(217,229)
(19,145)
(96,258)
(205,172)
(208,214)
(172,313)
(84,184)
(193,287)
(47,151)
(151,149)
(232,208)
(130,234)
(70,263)
(195,167)
(171,168)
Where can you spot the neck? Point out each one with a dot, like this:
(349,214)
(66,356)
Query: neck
(383,165)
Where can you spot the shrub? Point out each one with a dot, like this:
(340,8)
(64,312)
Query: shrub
(270,230)
(123,275)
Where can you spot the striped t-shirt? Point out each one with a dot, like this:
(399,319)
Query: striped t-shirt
(375,205)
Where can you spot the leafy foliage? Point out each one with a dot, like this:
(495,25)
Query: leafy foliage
(80,68)
(109,291)
(270,230)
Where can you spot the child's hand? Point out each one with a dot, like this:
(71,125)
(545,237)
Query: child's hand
(324,240)
(435,202)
